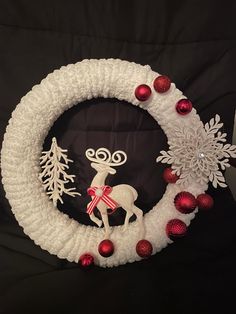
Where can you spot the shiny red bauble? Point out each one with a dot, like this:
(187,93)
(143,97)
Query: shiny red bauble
(86,260)
(169,176)
(185,202)
(143,92)
(162,84)
(184,106)
(205,201)
(106,248)
(144,248)
(176,228)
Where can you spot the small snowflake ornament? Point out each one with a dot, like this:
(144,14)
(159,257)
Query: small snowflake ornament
(199,153)
(54,177)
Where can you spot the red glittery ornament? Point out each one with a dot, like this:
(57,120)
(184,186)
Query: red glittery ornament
(184,106)
(205,201)
(86,260)
(169,176)
(176,228)
(106,248)
(162,84)
(143,92)
(144,248)
(185,202)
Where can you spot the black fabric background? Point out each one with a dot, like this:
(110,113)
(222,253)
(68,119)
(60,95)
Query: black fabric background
(193,42)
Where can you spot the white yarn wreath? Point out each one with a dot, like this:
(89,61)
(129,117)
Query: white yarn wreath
(22,147)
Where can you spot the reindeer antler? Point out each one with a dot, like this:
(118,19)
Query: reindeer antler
(104,156)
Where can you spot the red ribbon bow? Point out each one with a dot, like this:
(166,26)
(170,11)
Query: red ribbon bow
(100,193)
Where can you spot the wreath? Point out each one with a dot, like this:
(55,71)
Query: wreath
(196,155)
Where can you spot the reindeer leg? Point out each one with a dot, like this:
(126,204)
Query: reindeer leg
(139,214)
(129,213)
(106,225)
(97,221)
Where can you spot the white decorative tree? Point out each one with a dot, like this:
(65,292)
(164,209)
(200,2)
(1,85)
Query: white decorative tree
(54,177)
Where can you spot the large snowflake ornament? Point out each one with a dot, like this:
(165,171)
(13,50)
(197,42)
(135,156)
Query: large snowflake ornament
(199,153)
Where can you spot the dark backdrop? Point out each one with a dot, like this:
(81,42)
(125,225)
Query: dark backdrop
(193,42)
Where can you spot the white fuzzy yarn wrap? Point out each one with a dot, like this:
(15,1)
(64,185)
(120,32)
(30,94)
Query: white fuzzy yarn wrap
(22,146)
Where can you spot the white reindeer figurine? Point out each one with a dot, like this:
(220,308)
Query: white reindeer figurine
(105,197)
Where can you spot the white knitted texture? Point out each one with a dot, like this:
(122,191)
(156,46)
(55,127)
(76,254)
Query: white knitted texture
(22,146)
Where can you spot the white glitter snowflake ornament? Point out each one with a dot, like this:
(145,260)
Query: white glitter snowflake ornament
(199,153)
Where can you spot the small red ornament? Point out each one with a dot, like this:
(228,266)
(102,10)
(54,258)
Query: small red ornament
(184,106)
(185,202)
(176,228)
(205,201)
(144,248)
(162,84)
(169,176)
(143,92)
(86,260)
(106,248)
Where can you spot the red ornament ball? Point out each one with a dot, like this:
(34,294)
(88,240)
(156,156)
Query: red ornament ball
(86,260)
(184,106)
(106,248)
(176,228)
(143,92)
(185,202)
(162,84)
(144,248)
(169,176)
(205,201)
